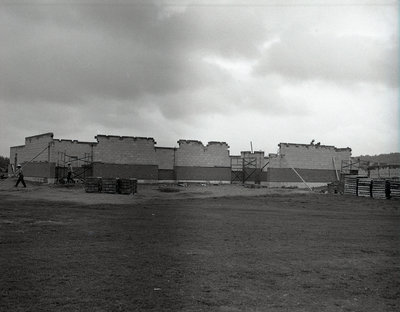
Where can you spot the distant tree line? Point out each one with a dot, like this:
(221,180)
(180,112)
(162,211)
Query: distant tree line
(390,159)
(4,161)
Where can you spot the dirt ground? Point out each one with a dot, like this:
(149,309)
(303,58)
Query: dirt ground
(196,248)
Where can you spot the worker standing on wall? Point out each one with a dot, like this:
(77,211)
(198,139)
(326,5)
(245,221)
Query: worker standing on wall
(20,176)
(69,174)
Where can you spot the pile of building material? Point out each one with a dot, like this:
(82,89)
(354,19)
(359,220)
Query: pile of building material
(92,185)
(350,185)
(364,187)
(127,186)
(111,185)
(367,187)
(380,189)
(395,189)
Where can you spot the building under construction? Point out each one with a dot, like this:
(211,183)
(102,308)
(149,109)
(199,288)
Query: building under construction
(45,159)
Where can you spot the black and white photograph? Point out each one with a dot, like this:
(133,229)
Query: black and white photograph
(199,155)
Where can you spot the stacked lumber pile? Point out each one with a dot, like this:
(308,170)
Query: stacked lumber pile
(379,189)
(395,189)
(364,187)
(350,186)
(92,185)
(109,185)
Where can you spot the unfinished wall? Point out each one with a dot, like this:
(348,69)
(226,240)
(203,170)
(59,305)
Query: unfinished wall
(194,154)
(33,146)
(377,172)
(125,157)
(248,167)
(34,156)
(308,156)
(196,162)
(166,163)
(316,164)
(125,150)
(64,151)
(140,172)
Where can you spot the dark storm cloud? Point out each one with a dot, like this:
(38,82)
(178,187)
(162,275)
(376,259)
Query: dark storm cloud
(122,51)
(176,69)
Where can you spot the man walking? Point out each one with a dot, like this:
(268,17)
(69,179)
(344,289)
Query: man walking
(20,176)
(69,174)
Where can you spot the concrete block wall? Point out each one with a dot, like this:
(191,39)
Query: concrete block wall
(140,172)
(203,174)
(254,163)
(165,158)
(194,154)
(236,162)
(72,148)
(166,163)
(309,175)
(125,150)
(39,171)
(196,162)
(258,156)
(33,146)
(308,156)
(138,157)
(384,172)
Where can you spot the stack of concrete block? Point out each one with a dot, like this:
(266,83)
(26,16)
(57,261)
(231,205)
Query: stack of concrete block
(350,186)
(134,185)
(109,185)
(127,186)
(364,187)
(395,189)
(92,185)
(380,189)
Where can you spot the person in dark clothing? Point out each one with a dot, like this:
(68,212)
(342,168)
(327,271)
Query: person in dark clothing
(20,176)
(69,174)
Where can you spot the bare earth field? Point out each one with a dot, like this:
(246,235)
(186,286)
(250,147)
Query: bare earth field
(200,248)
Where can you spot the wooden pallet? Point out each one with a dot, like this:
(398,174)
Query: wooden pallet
(364,187)
(379,189)
(395,189)
(350,186)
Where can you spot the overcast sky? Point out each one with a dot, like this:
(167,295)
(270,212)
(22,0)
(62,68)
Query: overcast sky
(252,70)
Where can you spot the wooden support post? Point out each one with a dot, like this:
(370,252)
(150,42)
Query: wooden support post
(334,167)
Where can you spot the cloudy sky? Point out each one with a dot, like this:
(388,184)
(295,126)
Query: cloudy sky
(265,71)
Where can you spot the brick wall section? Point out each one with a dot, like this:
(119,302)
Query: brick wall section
(33,146)
(203,173)
(165,158)
(39,170)
(309,175)
(258,156)
(125,150)
(166,174)
(71,148)
(307,156)
(107,170)
(195,154)
(384,172)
